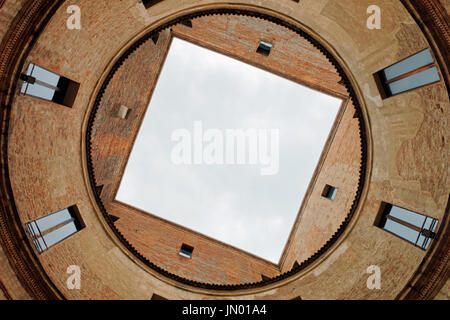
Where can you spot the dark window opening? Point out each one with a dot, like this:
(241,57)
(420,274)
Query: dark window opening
(149,3)
(41,83)
(329,192)
(186,251)
(99,189)
(54,228)
(410,73)
(413,227)
(265,278)
(113,218)
(157,297)
(155,38)
(187,23)
(264,48)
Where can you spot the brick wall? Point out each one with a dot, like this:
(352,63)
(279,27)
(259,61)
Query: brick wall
(47,173)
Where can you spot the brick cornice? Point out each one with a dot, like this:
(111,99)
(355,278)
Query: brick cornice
(15,46)
(5,291)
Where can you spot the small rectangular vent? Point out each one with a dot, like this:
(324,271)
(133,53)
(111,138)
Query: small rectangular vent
(264,48)
(186,251)
(329,192)
(123,112)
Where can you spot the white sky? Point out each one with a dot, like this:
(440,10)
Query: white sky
(232,203)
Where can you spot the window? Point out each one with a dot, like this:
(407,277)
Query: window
(329,192)
(265,278)
(413,227)
(157,297)
(186,251)
(187,23)
(155,38)
(44,84)
(113,218)
(149,3)
(264,48)
(51,229)
(410,73)
(99,189)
